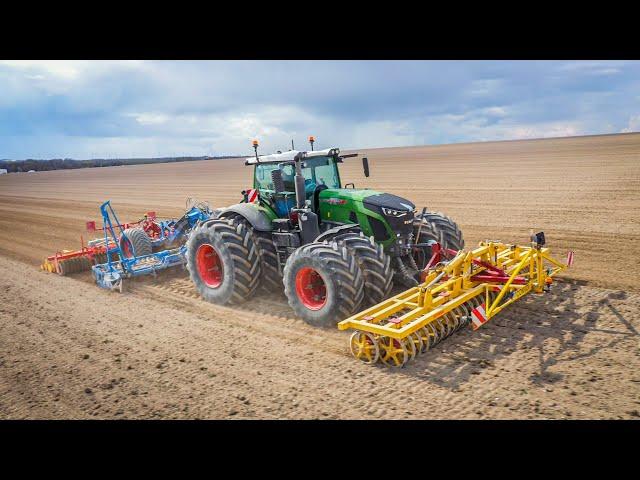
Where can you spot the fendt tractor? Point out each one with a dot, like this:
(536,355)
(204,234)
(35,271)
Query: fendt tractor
(335,248)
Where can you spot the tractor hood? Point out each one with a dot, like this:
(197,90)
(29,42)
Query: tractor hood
(382,215)
(371,199)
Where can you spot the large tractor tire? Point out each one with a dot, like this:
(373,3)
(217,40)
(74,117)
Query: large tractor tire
(323,283)
(432,226)
(447,231)
(374,263)
(270,278)
(137,243)
(222,260)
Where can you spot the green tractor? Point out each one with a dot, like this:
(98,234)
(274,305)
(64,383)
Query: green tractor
(336,249)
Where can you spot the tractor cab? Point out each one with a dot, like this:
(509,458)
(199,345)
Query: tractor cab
(302,194)
(275,178)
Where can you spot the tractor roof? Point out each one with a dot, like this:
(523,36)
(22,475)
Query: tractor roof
(290,156)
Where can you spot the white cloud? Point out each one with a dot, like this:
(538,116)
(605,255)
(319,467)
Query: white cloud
(195,108)
(64,69)
(485,87)
(593,68)
(150,118)
(68,69)
(495,111)
(633,125)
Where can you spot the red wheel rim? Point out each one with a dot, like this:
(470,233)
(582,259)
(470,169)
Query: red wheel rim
(127,250)
(209,265)
(311,288)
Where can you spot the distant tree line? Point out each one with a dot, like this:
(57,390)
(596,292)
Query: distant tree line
(68,163)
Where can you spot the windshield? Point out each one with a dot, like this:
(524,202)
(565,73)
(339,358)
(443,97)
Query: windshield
(321,171)
(316,171)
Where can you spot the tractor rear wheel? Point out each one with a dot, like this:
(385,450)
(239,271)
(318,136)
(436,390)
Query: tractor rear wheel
(374,263)
(222,260)
(270,278)
(137,243)
(323,283)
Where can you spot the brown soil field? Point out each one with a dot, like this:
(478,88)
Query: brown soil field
(71,350)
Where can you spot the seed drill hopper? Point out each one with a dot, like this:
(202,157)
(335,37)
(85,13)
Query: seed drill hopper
(458,288)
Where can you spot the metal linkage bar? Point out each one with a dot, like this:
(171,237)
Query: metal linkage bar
(469,288)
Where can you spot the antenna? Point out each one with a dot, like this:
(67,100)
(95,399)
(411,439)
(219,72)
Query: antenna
(292,147)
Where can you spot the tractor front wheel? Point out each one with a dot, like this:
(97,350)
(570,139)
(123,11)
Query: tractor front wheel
(323,283)
(430,227)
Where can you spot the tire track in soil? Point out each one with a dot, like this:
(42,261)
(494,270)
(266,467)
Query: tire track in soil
(156,351)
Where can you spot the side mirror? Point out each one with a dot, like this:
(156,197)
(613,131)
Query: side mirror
(365,166)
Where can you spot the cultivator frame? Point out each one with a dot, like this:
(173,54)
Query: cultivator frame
(94,252)
(472,287)
(110,275)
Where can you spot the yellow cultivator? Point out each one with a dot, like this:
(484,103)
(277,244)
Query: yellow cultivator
(458,288)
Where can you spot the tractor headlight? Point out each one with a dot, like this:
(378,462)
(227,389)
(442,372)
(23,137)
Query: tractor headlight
(390,212)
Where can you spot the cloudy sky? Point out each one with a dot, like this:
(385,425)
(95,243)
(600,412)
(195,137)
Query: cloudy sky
(109,109)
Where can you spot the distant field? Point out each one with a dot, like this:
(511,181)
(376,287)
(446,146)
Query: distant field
(584,192)
(579,343)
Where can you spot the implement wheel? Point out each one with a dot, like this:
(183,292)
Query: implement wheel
(393,352)
(137,243)
(323,283)
(222,260)
(364,347)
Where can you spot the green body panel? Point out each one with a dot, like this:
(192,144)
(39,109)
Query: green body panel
(337,205)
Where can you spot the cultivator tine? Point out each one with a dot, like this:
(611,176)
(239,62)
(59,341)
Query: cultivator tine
(464,287)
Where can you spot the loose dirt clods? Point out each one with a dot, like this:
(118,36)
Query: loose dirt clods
(158,351)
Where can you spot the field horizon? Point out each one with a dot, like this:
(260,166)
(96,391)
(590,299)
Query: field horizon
(71,350)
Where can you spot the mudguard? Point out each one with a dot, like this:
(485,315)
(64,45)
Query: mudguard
(332,232)
(254,214)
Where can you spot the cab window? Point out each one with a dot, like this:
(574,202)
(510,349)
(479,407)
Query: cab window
(263,180)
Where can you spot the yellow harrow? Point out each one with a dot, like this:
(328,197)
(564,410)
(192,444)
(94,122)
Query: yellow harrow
(468,288)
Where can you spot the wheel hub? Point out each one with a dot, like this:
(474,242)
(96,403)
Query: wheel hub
(310,288)
(209,265)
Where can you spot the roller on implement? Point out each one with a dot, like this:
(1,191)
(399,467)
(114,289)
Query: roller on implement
(65,262)
(458,288)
